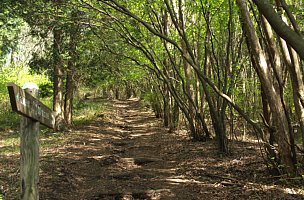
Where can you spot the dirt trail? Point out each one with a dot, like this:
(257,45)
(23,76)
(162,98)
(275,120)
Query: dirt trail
(126,154)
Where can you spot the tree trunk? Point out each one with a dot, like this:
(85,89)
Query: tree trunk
(167,106)
(218,125)
(70,82)
(266,79)
(293,64)
(69,95)
(58,79)
(281,28)
(298,90)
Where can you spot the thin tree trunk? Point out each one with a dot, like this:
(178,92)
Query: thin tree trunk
(70,82)
(265,76)
(292,61)
(215,116)
(58,79)
(298,89)
(167,107)
(69,95)
(188,75)
(280,27)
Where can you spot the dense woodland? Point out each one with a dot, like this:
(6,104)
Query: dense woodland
(224,70)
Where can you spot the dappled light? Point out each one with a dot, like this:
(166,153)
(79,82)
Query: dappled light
(151,100)
(141,134)
(180,180)
(128,155)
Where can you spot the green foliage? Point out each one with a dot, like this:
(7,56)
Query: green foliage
(19,75)
(147,98)
(150,98)
(9,32)
(103,60)
(11,143)
(87,110)
(45,89)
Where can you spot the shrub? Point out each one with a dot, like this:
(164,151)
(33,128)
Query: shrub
(19,75)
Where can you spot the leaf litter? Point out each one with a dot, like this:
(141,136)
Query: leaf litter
(126,154)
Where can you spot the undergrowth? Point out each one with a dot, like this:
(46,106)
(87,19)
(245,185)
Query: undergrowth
(87,110)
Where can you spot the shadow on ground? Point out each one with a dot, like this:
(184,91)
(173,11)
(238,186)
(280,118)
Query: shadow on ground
(126,154)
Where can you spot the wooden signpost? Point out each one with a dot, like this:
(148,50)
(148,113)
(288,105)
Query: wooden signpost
(24,101)
(27,105)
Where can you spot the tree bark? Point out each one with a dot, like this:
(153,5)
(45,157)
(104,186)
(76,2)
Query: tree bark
(281,28)
(292,62)
(217,124)
(70,82)
(69,95)
(188,89)
(58,79)
(265,76)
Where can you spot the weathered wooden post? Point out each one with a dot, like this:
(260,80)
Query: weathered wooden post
(29,151)
(24,101)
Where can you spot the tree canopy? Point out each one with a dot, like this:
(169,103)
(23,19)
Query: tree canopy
(213,67)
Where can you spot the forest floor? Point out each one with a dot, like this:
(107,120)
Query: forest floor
(126,154)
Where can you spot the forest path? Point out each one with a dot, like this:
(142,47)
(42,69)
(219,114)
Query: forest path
(126,154)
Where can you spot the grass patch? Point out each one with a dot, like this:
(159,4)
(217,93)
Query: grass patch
(8,120)
(84,112)
(50,139)
(9,143)
(88,110)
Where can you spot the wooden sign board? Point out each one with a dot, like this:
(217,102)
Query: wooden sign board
(28,106)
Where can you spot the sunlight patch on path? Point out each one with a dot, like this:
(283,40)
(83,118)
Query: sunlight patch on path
(130,156)
(141,134)
(181,180)
(121,105)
